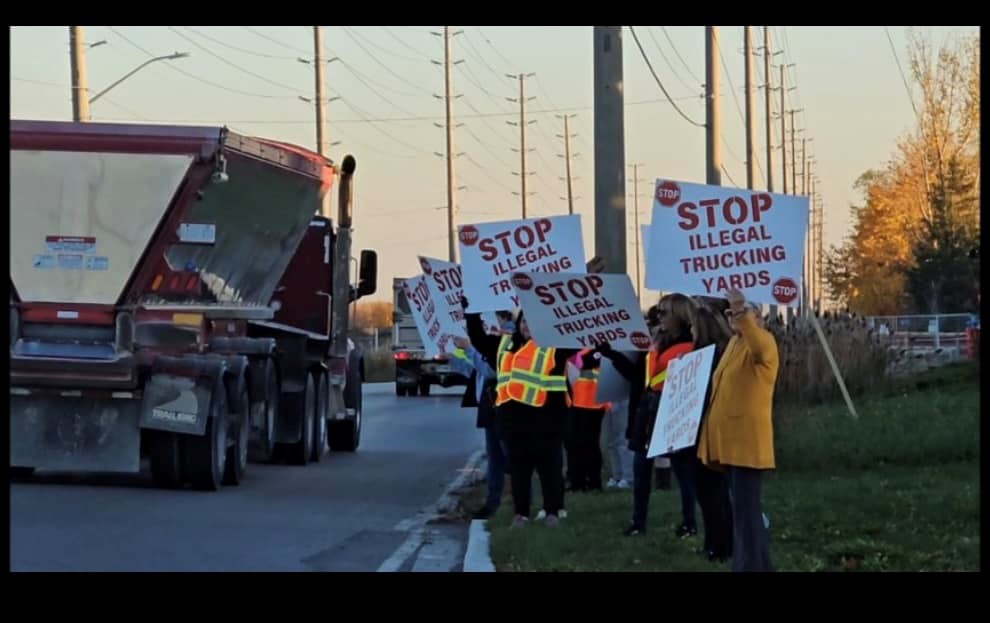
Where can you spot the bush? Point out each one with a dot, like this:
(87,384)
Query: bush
(379,366)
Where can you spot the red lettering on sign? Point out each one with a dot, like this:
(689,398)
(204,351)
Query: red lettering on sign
(735,210)
(523,237)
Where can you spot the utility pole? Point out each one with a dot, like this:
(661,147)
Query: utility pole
(768,88)
(610,164)
(812,234)
(750,111)
(794,131)
(523,173)
(783,126)
(713,113)
(567,159)
(448,99)
(321,96)
(80,87)
(636,234)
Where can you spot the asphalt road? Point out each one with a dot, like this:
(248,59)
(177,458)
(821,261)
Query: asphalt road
(350,512)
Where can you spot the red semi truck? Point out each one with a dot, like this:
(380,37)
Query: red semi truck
(176,296)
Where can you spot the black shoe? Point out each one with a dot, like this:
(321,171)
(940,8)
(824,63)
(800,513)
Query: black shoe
(484,513)
(633,530)
(683,531)
(716,557)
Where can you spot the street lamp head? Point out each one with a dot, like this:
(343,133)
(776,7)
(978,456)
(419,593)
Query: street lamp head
(97,44)
(177,55)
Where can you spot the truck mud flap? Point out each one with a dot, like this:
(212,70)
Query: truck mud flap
(75,434)
(177,404)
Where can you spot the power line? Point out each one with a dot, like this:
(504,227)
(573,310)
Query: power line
(657,78)
(384,66)
(388,134)
(724,170)
(235,65)
(649,31)
(371,42)
(900,70)
(485,146)
(674,47)
(194,76)
(275,41)
(473,79)
(481,57)
(237,49)
(488,41)
(396,37)
(486,172)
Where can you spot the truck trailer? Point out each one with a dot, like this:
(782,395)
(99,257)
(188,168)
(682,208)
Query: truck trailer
(176,296)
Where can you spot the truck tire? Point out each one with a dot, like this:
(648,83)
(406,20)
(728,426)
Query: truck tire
(412,390)
(166,459)
(320,421)
(298,453)
(206,455)
(345,435)
(264,391)
(424,388)
(400,390)
(237,453)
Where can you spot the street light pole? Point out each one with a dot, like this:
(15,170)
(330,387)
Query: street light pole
(170,57)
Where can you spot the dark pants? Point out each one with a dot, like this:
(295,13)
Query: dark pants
(750,539)
(642,472)
(496,467)
(542,452)
(716,511)
(584,452)
(683,464)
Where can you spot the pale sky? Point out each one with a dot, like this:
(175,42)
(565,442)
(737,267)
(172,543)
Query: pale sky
(248,78)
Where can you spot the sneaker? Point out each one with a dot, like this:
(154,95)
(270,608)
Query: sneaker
(562,513)
(633,530)
(552,521)
(484,513)
(519,521)
(612,483)
(540,516)
(623,484)
(684,531)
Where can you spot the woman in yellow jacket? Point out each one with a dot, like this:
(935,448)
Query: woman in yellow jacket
(737,435)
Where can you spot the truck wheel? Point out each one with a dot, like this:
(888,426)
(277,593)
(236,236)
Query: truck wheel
(206,455)
(320,421)
(265,391)
(166,459)
(345,436)
(237,454)
(424,388)
(400,390)
(412,390)
(298,453)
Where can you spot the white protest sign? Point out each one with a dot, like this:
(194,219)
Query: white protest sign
(706,240)
(491,252)
(682,402)
(572,310)
(446,284)
(612,387)
(433,329)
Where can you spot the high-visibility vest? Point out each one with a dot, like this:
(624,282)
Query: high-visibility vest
(460,353)
(585,388)
(655,377)
(524,376)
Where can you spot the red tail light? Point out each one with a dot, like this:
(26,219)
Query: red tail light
(401,355)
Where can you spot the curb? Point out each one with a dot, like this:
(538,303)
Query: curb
(477,558)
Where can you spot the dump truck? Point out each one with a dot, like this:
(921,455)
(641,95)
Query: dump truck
(177,298)
(414,371)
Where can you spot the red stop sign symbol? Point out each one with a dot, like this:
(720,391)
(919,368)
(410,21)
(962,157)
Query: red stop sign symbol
(640,340)
(522,281)
(668,194)
(469,235)
(785,291)
(427,268)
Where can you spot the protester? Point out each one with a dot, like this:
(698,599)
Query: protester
(532,409)
(649,372)
(737,435)
(584,457)
(710,485)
